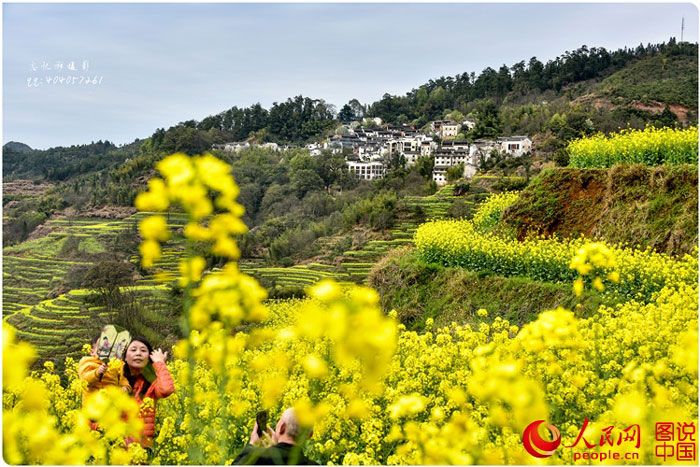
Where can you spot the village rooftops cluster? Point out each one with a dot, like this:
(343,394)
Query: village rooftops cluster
(368,151)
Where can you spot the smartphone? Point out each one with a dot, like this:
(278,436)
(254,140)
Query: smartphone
(261,418)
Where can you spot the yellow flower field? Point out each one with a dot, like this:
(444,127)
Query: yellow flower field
(650,146)
(374,392)
(638,274)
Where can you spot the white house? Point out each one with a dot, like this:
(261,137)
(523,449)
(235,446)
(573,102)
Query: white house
(440,173)
(367,170)
(447,157)
(515,145)
(456,144)
(368,150)
(481,150)
(468,123)
(411,157)
(411,147)
(232,147)
(445,128)
(427,147)
(450,130)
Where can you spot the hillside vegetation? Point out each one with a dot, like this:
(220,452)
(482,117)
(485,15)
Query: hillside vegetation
(419,291)
(635,205)
(653,207)
(668,78)
(62,163)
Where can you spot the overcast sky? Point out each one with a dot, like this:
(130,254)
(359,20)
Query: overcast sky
(160,64)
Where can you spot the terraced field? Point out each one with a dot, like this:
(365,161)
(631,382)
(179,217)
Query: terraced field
(355,265)
(59,325)
(34,270)
(296,276)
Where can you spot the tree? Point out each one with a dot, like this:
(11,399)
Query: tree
(331,167)
(488,121)
(535,72)
(455,115)
(107,277)
(250,196)
(437,97)
(304,181)
(666,118)
(302,161)
(455,172)
(358,109)
(346,114)
(185,139)
(504,83)
(425,166)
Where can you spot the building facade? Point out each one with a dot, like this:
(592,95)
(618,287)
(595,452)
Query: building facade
(367,170)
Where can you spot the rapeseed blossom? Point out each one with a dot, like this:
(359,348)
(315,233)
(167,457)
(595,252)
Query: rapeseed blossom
(650,146)
(628,273)
(373,391)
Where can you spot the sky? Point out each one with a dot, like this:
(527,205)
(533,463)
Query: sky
(154,65)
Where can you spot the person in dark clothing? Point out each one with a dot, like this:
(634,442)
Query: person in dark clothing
(284,447)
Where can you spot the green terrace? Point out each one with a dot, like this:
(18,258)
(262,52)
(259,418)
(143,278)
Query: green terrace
(59,327)
(27,281)
(357,264)
(167,267)
(32,269)
(294,276)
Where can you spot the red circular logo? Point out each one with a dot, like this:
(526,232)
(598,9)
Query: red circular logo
(536,445)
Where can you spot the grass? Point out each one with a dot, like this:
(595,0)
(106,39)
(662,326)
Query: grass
(419,290)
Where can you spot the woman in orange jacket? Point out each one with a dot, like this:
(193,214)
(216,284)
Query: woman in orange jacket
(139,353)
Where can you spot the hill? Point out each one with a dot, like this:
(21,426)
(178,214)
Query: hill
(16,147)
(665,78)
(579,92)
(62,163)
(302,231)
(633,207)
(58,282)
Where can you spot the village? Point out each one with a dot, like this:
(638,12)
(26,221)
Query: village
(369,150)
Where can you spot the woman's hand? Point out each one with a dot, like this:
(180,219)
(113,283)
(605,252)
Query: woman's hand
(102,369)
(158,356)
